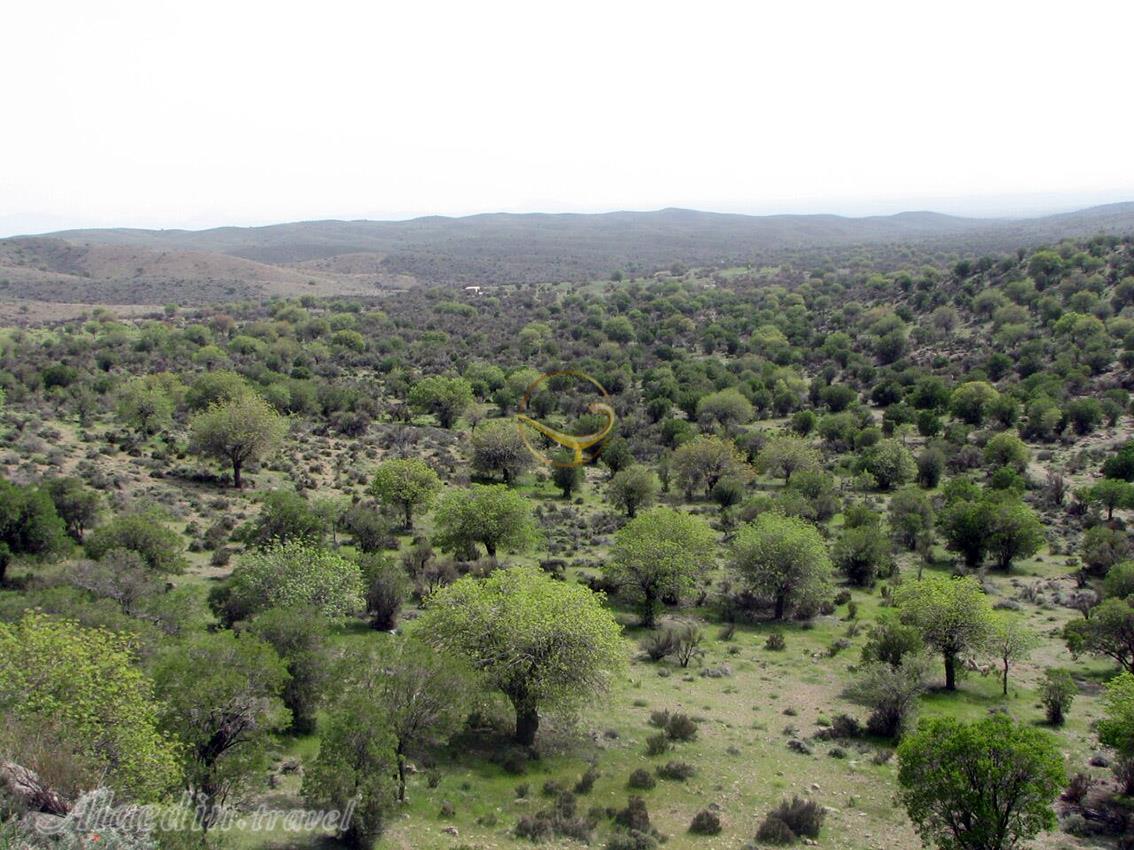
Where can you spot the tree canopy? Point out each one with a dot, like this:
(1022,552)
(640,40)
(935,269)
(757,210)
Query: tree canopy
(542,643)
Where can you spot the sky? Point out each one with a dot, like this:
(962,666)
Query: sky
(161,114)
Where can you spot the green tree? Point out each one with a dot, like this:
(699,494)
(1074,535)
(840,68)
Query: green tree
(423,694)
(1116,728)
(446,398)
(701,463)
(890,640)
(29,525)
(1119,581)
(970,401)
(1110,494)
(952,614)
(145,406)
(409,485)
(498,449)
(540,642)
(987,785)
(782,560)
(1084,414)
(1057,692)
(237,431)
(293,575)
(84,685)
(785,455)
(143,532)
(387,585)
(565,475)
(633,488)
(1109,632)
(616,455)
(1006,449)
(891,692)
(890,463)
(299,637)
(1102,548)
(1120,465)
(726,409)
(284,516)
(215,388)
(76,504)
(930,465)
(659,555)
(862,553)
(1009,641)
(1014,531)
(354,769)
(489,514)
(221,697)
(911,518)
(966,522)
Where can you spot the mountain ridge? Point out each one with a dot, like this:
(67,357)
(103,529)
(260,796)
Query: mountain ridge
(364,256)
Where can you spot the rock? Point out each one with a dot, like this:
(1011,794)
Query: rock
(452,830)
(814,786)
(1099,760)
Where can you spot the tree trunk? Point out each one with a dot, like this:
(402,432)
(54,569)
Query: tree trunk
(490,548)
(401,775)
(527,723)
(236,464)
(649,604)
(781,606)
(1005,678)
(950,671)
(409,516)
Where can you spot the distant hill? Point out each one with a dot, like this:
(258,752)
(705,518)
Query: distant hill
(360,257)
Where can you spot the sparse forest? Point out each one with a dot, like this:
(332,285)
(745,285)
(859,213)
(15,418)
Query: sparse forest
(856,551)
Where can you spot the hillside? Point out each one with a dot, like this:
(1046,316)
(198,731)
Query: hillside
(363,257)
(50,269)
(921,447)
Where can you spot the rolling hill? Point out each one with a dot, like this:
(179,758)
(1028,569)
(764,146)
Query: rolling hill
(365,257)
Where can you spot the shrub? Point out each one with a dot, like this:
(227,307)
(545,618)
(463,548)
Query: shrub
(775,642)
(657,744)
(641,779)
(846,726)
(635,816)
(631,840)
(1056,693)
(1078,788)
(587,781)
(660,644)
(774,831)
(559,820)
(676,770)
(705,822)
(681,727)
(802,818)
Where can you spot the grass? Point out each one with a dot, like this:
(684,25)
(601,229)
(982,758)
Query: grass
(745,719)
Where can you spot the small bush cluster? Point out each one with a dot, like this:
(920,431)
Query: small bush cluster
(641,779)
(677,727)
(706,822)
(561,820)
(790,821)
(676,770)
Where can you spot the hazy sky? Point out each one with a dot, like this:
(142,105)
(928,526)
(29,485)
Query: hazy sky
(162,114)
